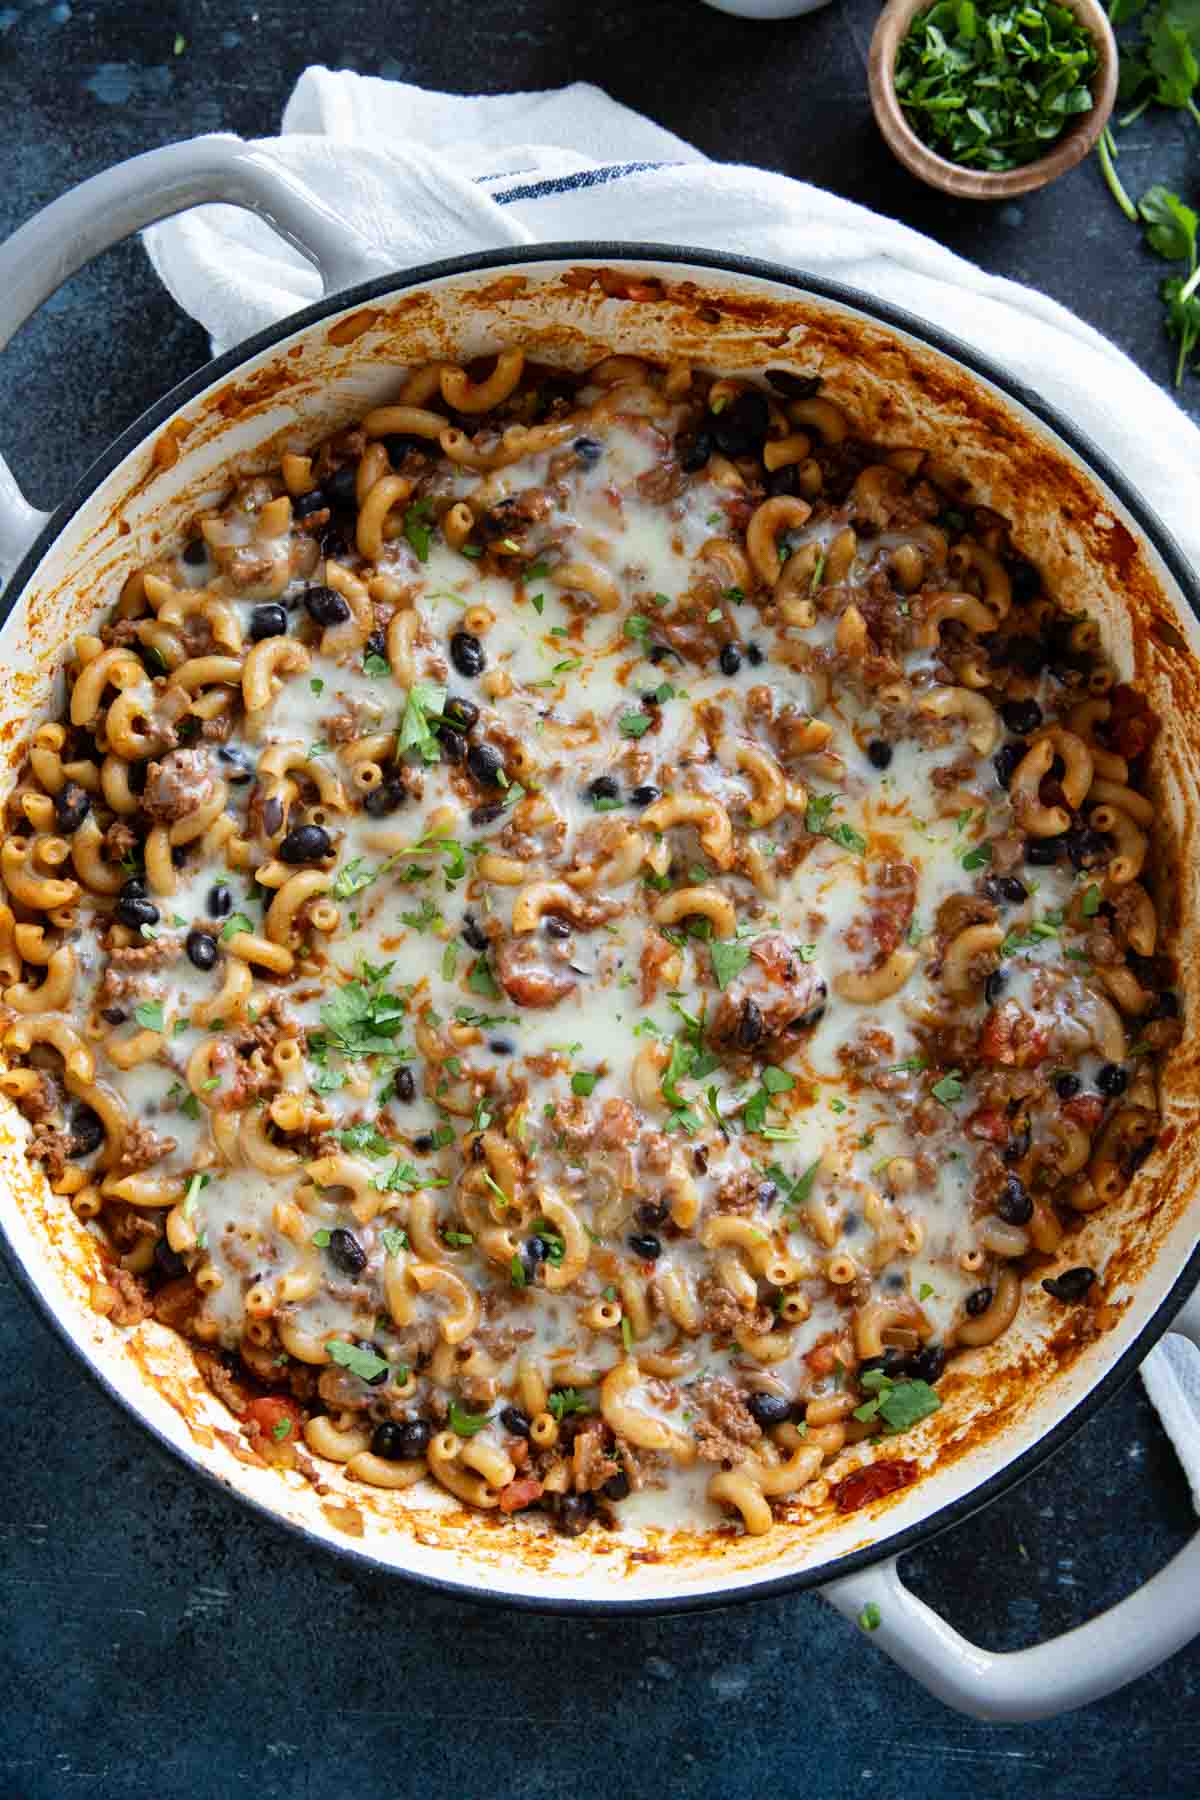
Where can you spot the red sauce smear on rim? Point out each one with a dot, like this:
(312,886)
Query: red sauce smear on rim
(872,1483)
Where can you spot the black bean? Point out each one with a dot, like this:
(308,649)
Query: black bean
(1112,1080)
(334,547)
(400,444)
(1018,1144)
(346,1251)
(1041,852)
(402,1441)
(1013,1203)
(994,986)
(692,450)
(700,1159)
(783,481)
(467,655)
(767,1192)
(473,933)
(740,428)
(462,714)
(305,505)
(486,815)
(178,855)
(220,901)
(879,754)
(423,1144)
(754,655)
(135,911)
(201,949)
(573,1514)
(305,843)
(376,645)
(87,1132)
(404,1086)
(652,1213)
(72,804)
(114,1015)
(796,387)
(196,553)
(514,1420)
(1021,716)
(502,1046)
(1165,1006)
(750,1024)
(454,744)
(645,795)
(978,1301)
(341,488)
(588,451)
(1067,1086)
(605,787)
(325,607)
(730,659)
(1086,847)
(769,1409)
(134,888)
(486,764)
(645,1245)
(268,621)
(927,1364)
(238,767)
(1071,1286)
(388,797)
(1026,582)
(1006,759)
(616,1487)
(1006,890)
(168,1264)
(533,1254)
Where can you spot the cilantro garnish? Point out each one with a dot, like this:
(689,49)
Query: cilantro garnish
(363,1363)
(816,821)
(466,1424)
(565,1400)
(393,1241)
(417,528)
(900,1404)
(634,724)
(582,1082)
(774,1081)
(949,1088)
(234,923)
(366,1138)
(728,960)
(424,701)
(150,1015)
(361,1019)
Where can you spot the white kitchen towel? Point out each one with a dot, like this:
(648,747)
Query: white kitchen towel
(423,176)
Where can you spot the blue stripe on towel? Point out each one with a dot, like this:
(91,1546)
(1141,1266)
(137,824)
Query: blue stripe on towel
(584,178)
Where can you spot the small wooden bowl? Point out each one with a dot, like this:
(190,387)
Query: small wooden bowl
(979,184)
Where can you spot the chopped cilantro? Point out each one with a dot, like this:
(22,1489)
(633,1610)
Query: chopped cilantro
(634,724)
(234,923)
(417,528)
(900,1404)
(150,1015)
(466,1424)
(1089,906)
(728,960)
(373,664)
(565,1400)
(424,701)
(363,1363)
(481,981)
(949,1088)
(870,1617)
(977,858)
(366,1138)
(582,1082)
(426,917)
(393,1241)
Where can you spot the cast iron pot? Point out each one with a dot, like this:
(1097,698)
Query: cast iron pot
(1005,1409)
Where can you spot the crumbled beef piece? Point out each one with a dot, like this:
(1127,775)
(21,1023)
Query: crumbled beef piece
(663,481)
(1101,948)
(871,1046)
(146,956)
(657,952)
(119,841)
(591,1459)
(122,632)
(40,1102)
(740,1193)
(131,1305)
(175,1302)
(957,911)
(178,785)
(728,1428)
(617,1126)
(141,1148)
(222,1382)
(53,1148)
(722,1314)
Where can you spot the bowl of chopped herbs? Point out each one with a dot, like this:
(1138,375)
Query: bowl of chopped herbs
(989,98)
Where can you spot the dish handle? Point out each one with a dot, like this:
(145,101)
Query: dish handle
(51,246)
(1068,1671)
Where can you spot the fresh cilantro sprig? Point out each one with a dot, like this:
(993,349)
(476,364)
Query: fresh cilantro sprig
(900,1404)
(817,821)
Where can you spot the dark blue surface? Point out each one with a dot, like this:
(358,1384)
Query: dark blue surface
(156,1641)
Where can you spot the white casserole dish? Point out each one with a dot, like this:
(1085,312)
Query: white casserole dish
(1007,1408)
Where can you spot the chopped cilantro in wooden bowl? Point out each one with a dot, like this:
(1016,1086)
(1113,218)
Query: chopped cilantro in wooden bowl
(987,98)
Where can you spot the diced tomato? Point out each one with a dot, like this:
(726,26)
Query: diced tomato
(1086,1110)
(872,1483)
(988,1124)
(522,1492)
(1011,1037)
(269,1414)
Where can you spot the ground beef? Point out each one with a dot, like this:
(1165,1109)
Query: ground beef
(502,1341)
(53,1148)
(178,785)
(141,1148)
(341,1390)
(722,1315)
(222,1382)
(618,1125)
(119,841)
(955,774)
(742,1193)
(40,1102)
(663,481)
(871,1046)
(131,1305)
(1101,948)
(957,911)
(728,1429)
(146,956)
(175,1302)
(591,1458)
